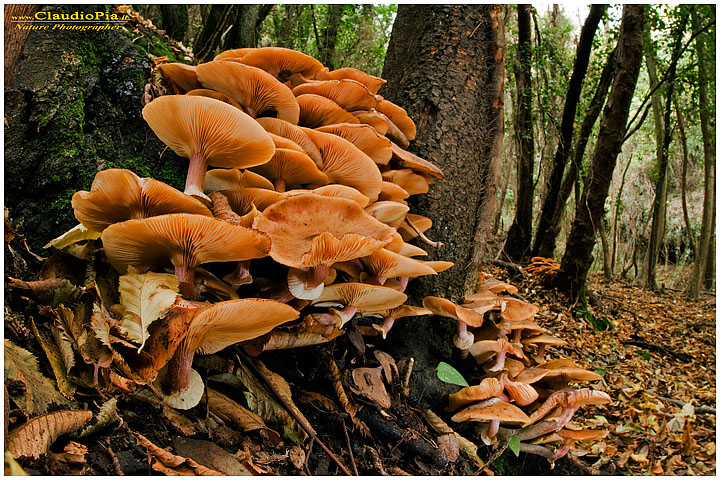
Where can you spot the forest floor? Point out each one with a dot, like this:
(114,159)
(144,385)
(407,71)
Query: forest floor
(655,351)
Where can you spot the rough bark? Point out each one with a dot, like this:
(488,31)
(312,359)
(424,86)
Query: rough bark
(246,26)
(616,215)
(210,37)
(683,175)
(15,35)
(327,40)
(72,109)
(547,245)
(445,66)
(519,236)
(607,268)
(706,230)
(578,255)
(563,151)
(174,20)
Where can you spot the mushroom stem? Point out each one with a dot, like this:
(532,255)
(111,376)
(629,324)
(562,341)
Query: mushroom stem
(422,236)
(195,180)
(316,275)
(489,433)
(222,210)
(241,275)
(540,356)
(186,276)
(386,326)
(404,282)
(347,314)
(377,280)
(178,374)
(463,339)
(279,184)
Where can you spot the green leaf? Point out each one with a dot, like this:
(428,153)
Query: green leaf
(514,444)
(448,374)
(600,372)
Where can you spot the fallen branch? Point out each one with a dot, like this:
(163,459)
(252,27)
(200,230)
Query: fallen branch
(701,409)
(246,360)
(640,342)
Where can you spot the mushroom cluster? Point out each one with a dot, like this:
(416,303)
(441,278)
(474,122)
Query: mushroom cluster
(295,204)
(543,269)
(521,389)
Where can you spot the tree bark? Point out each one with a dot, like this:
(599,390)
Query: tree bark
(446,66)
(15,36)
(589,211)
(547,245)
(246,26)
(683,176)
(327,40)
(174,20)
(563,151)
(210,37)
(519,236)
(706,231)
(607,268)
(616,215)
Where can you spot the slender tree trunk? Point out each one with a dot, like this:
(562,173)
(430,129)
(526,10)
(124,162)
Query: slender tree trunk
(548,242)
(706,231)
(607,268)
(616,215)
(578,254)
(503,193)
(15,37)
(327,40)
(246,26)
(517,245)
(174,20)
(563,151)
(210,37)
(683,176)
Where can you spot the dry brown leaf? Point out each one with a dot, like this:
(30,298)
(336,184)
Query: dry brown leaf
(297,456)
(345,402)
(12,467)
(171,464)
(388,364)
(295,336)
(210,455)
(321,402)
(76,234)
(232,412)
(39,392)
(52,291)
(105,416)
(72,453)
(179,421)
(55,358)
(369,384)
(450,444)
(467,448)
(33,438)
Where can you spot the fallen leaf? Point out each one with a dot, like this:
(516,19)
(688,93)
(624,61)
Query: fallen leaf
(76,234)
(297,457)
(450,445)
(39,392)
(369,384)
(388,364)
(34,438)
(179,421)
(173,464)
(72,453)
(301,335)
(55,358)
(317,400)
(232,412)
(105,416)
(467,448)
(210,455)
(51,292)
(145,298)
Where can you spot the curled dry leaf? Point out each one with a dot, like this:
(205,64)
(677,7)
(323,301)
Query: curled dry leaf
(145,298)
(388,364)
(35,437)
(297,456)
(265,405)
(52,292)
(76,234)
(173,464)
(467,448)
(39,391)
(294,336)
(105,416)
(369,384)
(232,412)
(210,455)
(72,453)
(55,357)
(319,401)
(450,444)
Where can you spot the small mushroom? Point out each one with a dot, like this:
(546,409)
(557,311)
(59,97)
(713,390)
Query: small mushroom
(542,341)
(398,116)
(465,317)
(356,297)
(383,264)
(494,411)
(372,83)
(292,133)
(229,178)
(390,315)
(349,94)
(282,63)
(290,168)
(316,111)
(364,137)
(486,349)
(180,77)
(403,159)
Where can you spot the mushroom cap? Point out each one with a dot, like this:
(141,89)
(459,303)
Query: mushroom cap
(392,192)
(521,393)
(342,191)
(182,239)
(243,199)
(410,182)
(235,54)
(397,245)
(364,137)
(292,132)
(517,310)
(543,338)
(492,409)
(364,297)
(557,363)
(398,116)
(387,264)
(445,308)
(282,62)
(222,134)
(225,323)
(374,119)
(405,159)
(257,91)
(346,164)
(488,388)
(497,286)
(484,349)
(571,374)
(582,435)
(293,167)
(316,111)
(349,94)
(438,265)
(312,230)
(372,83)
(282,142)
(181,78)
(485,296)
(402,311)
(117,195)
(390,213)
(229,178)
(206,92)
(531,375)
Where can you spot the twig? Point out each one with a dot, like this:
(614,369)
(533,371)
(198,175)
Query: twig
(422,235)
(307,457)
(406,379)
(352,457)
(115,460)
(246,360)
(497,454)
(701,409)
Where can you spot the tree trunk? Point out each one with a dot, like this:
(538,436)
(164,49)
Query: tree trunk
(519,236)
(211,36)
(589,211)
(547,245)
(174,20)
(446,66)
(503,193)
(582,58)
(246,26)
(15,36)
(683,176)
(617,211)
(607,268)
(326,42)
(706,231)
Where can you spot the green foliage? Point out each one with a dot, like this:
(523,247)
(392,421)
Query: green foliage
(449,374)
(514,444)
